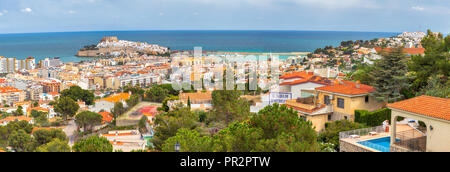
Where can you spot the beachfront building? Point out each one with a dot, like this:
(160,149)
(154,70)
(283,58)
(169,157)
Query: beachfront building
(434,113)
(50,62)
(106,104)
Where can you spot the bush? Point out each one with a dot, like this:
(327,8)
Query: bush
(372,119)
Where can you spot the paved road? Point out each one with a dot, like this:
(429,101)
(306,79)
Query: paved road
(70,131)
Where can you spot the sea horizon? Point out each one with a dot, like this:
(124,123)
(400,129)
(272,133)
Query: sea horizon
(66,44)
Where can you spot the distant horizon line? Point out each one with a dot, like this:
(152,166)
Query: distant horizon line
(12,33)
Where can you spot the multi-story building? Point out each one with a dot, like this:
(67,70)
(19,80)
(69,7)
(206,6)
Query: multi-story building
(33,92)
(12,65)
(50,62)
(51,86)
(9,95)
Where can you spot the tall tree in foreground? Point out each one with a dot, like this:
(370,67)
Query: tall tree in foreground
(54,146)
(88,120)
(67,107)
(389,75)
(436,61)
(274,129)
(229,107)
(93,144)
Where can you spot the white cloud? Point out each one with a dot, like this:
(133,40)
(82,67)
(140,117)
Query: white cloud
(4,12)
(27,10)
(71,12)
(417,8)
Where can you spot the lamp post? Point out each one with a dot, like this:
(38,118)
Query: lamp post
(177,147)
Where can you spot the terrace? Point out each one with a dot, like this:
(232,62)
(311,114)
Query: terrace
(378,139)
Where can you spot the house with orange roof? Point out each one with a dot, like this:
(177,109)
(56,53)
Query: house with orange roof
(106,117)
(434,112)
(302,84)
(9,119)
(199,100)
(336,101)
(106,104)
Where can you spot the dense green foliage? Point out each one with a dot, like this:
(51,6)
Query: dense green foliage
(389,76)
(93,144)
(274,129)
(229,107)
(54,146)
(372,119)
(77,93)
(88,120)
(435,62)
(66,106)
(331,133)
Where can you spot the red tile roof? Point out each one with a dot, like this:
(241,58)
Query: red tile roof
(305,77)
(107,117)
(347,88)
(408,51)
(425,105)
(306,110)
(302,74)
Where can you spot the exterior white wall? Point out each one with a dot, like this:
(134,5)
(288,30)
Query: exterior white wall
(296,89)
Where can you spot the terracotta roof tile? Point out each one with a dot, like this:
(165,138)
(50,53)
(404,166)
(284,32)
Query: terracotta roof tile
(408,51)
(425,105)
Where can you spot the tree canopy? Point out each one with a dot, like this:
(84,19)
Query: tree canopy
(93,144)
(77,93)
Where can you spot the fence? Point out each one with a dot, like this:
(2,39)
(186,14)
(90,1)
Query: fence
(412,140)
(361,132)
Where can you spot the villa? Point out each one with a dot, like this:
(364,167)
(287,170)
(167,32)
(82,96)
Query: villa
(107,104)
(425,128)
(335,102)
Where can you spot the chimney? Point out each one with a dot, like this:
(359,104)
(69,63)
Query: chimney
(358,84)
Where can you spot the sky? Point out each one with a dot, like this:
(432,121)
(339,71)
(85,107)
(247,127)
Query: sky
(24,16)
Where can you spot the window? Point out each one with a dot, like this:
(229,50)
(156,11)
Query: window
(367,99)
(326,99)
(340,103)
(329,117)
(303,117)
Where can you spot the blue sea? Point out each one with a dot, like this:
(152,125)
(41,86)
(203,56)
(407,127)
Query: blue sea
(66,44)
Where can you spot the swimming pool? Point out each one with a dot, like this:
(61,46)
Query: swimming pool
(381,144)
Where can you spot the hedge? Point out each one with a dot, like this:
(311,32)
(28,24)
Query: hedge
(372,119)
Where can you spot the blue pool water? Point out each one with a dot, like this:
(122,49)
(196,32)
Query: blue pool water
(381,144)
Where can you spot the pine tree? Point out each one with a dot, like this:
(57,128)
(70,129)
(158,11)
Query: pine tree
(389,75)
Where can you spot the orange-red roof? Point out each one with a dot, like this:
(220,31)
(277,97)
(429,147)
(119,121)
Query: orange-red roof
(408,51)
(302,74)
(117,97)
(106,116)
(306,110)
(9,90)
(425,105)
(347,88)
(18,118)
(40,109)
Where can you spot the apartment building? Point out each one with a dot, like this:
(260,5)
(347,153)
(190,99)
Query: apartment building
(9,95)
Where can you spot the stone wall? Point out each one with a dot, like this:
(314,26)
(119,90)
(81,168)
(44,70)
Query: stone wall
(348,147)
